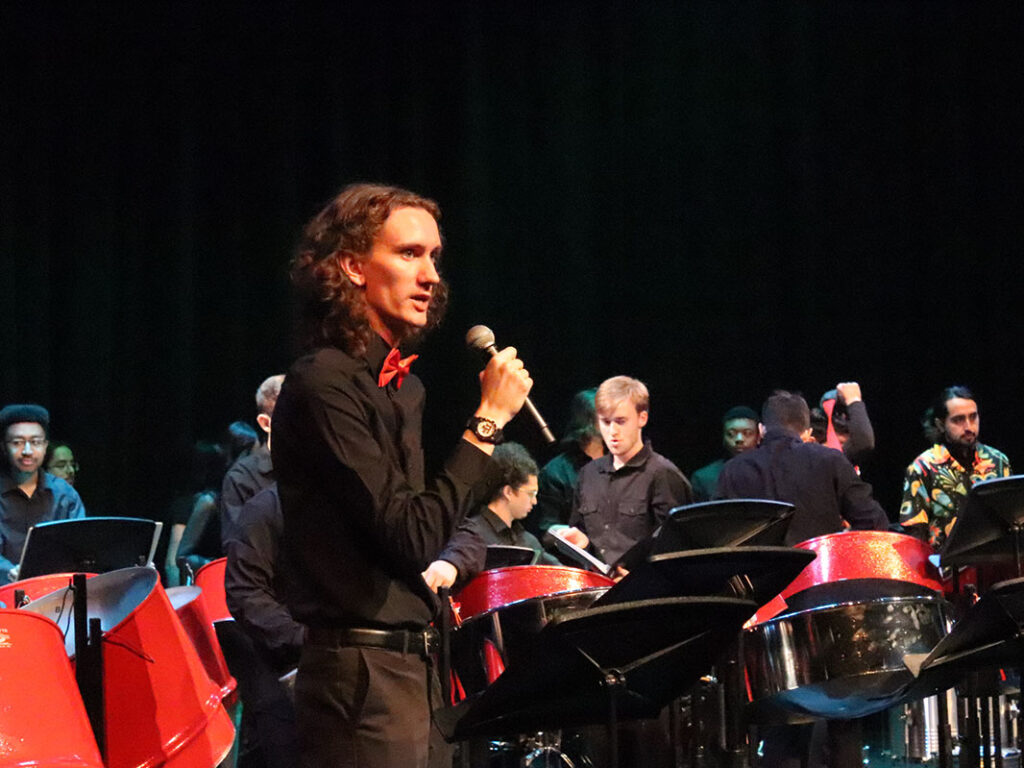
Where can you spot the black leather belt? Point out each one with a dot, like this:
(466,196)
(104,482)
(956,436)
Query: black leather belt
(423,642)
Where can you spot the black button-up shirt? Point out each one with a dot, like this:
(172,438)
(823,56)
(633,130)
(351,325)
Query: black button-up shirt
(54,499)
(360,523)
(246,477)
(820,482)
(616,508)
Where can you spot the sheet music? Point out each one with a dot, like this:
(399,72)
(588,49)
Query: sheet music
(580,555)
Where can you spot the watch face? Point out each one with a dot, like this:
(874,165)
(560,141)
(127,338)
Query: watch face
(486,428)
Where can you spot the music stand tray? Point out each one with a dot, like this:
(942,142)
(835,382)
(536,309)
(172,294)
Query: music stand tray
(752,573)
(713,524)
(991,527)
(507,555)
(89,545)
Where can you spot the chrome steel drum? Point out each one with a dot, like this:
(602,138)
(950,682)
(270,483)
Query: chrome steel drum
(841,661)
(496,635)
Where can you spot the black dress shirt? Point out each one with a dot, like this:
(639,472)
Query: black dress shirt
(556,486)
(616,508)
(246,477)
(254,577)
(360,524)
(54,499)
(486,528)
(705,480)
(819,481)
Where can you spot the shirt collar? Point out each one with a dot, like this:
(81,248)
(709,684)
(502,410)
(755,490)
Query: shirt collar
(376,351)
(7,483)
(638,460)
(492,519)
(942,455)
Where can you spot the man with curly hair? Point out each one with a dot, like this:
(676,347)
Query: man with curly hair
(936,484)
(361,522)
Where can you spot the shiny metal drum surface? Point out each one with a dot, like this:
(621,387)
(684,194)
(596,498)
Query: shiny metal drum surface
(499,587)
(487,643)
(841,661)
(856,566)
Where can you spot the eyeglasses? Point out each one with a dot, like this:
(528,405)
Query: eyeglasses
(65,465)
(19,443)
(531,494)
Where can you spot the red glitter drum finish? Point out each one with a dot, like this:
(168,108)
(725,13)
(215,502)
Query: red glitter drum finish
(503,586)
(876,555)
(210,579)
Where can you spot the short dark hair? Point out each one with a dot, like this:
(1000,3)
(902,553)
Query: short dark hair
(24,413)
(938,410)
(787,410)
(333,309)
(739,412)
(515,466)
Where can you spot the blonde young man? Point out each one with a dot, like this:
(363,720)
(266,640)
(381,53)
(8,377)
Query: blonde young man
(623,496)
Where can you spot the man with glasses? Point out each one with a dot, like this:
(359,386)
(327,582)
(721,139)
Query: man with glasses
(500,521)
(28,495)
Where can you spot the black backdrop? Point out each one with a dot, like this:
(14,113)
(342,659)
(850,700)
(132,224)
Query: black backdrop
(719,198)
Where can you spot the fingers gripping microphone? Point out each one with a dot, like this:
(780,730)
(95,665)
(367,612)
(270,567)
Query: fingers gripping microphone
(481,337)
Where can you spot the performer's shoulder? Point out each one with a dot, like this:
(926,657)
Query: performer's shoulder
(323,366)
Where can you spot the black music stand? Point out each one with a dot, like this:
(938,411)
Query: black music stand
(991,528)
(89,545)
(751,573)
(506,555)
(989,636)
(710,524)
(603,664)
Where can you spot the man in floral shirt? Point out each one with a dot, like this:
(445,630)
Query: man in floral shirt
(936,484)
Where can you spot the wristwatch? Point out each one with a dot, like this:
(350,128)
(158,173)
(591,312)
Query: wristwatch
(485,430)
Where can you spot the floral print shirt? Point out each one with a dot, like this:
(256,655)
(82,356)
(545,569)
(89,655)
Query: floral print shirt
(936,485)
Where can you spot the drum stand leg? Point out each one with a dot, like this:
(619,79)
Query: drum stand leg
(89,662)
(985,710)
(969,745)
(945,747)
(997,730)
(614,683)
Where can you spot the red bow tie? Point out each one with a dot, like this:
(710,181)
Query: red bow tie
(394,368)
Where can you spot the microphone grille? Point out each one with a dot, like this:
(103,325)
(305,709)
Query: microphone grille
(479,337)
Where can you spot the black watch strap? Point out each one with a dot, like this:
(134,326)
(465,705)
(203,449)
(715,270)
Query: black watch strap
(486,430)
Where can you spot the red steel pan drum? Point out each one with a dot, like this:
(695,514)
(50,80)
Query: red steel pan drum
(210,579)
(855,566)
(35,587)
(160,706)
(502,611)
(42,720)
(503,586)
(190,605)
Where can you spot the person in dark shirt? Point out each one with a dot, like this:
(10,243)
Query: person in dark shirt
(499,522)
(739,435)
(360,521)
(622,497)
(557,480)
(823,486)
(847,427)
(820,482)
(272,638)
(254,471)
(28,495)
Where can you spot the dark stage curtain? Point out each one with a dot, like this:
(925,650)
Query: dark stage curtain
(719,198)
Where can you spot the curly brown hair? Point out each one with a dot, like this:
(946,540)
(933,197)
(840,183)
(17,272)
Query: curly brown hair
(333,309)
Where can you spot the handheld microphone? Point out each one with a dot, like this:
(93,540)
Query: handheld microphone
(481,337)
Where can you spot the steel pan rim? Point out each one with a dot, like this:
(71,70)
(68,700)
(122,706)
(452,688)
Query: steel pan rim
(902,599)
(523,601)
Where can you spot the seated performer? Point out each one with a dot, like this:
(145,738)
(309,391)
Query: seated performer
(739,435)
(622,497)
(360,522)
(497,522)
(557,480)
(937,482)
(28,494)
